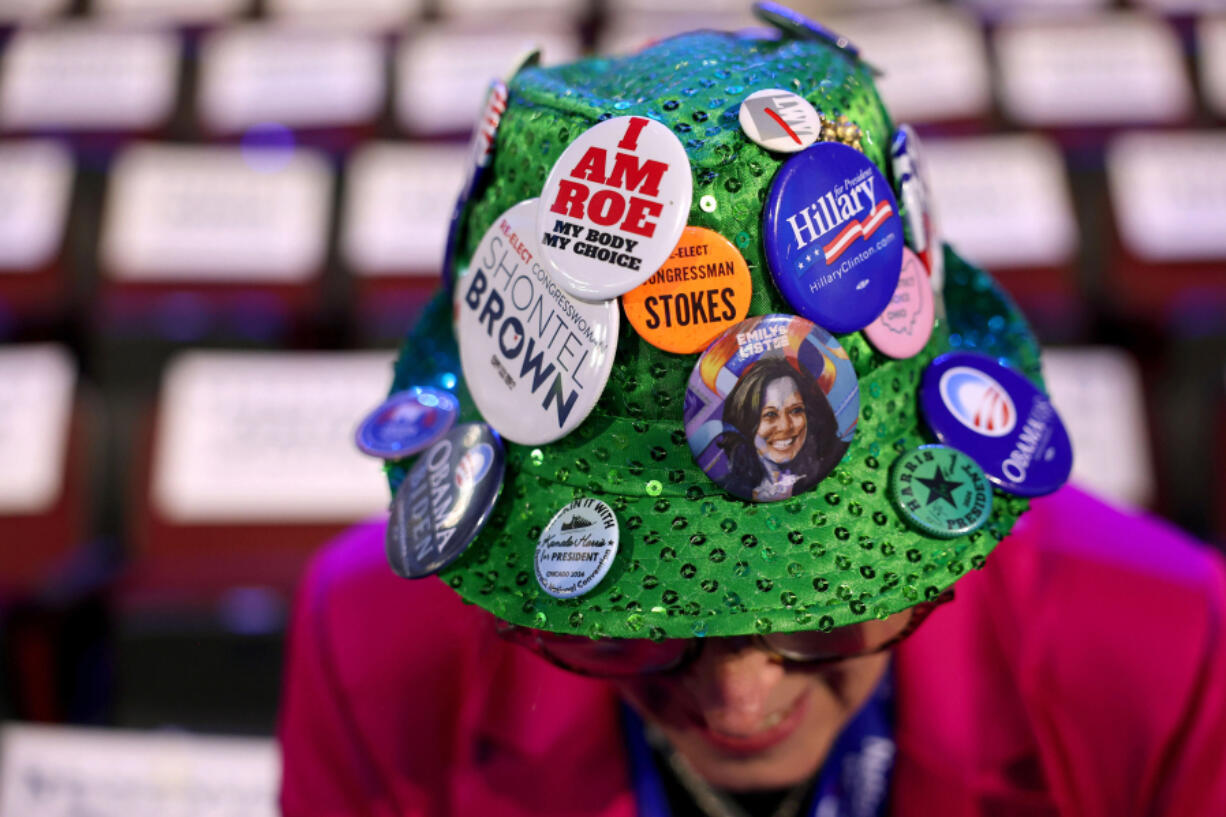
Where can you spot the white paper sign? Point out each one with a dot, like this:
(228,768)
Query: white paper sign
(13,11)
(268,437)
(35,187)
(36,394)
(1211,37)
(83,76)
(1098,392)
(216,213)
(295,77)
(366,15)
(1113,68)
(172,11)
(934,58)
(1004,200)
(443,75)
(1168,191)
(58,771)
(398,204)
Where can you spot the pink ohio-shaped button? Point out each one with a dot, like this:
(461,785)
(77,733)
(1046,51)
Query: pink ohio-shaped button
(903,328)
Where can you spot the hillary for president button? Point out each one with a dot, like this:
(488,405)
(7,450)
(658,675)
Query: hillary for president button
(771,407)
(535,359)
(904,326)
(941,491)
(445,500)
(703,288)
(832,236)
(1000,419)
(577,548)
(780,120)
(407,422)
(614,206)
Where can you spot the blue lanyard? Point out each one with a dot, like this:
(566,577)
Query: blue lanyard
(853,782)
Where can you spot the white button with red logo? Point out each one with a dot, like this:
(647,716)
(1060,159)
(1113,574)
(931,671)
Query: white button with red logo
(779,120)
(614,206)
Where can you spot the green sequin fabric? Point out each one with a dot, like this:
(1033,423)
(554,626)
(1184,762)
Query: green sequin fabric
(694,560)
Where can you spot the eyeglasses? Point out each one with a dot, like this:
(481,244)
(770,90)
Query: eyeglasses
(631,657)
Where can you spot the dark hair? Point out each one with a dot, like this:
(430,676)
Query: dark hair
(743,411)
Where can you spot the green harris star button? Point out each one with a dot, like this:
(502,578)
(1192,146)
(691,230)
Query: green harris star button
(941,491)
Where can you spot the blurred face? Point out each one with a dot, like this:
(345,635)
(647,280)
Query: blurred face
(745,720)
(781,424)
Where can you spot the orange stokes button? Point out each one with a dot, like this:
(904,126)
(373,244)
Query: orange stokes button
(701,290)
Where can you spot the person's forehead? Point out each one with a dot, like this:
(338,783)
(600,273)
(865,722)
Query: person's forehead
(782,387)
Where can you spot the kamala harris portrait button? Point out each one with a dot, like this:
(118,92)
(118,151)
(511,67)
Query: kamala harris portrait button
(832,236)
(445,500)
(771,407)
(1000,419)
(535,359)
(614,206)
(407,422)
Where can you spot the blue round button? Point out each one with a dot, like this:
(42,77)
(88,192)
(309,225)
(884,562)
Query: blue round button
(445,500)
(1000,419)
(798,25)
(407,422)
(833,237)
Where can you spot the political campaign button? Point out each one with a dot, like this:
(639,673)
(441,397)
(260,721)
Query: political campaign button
(528,58)
(941,491)
(577,548)
(481,152)
(833,238)
(482,146)
(445,500)
(614,206)
(703,288)
(1000,419)
(771,407)
(915,189)
(407,422)
(793,22)
(903,328)
(535,359)
(780,120)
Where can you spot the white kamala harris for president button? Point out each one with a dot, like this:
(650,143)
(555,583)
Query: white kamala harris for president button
(535,359)
(614,206)
(577,548)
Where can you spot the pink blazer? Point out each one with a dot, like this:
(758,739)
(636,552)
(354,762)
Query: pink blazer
(1081,672)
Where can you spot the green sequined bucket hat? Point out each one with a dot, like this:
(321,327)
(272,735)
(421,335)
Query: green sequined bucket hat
(692,558)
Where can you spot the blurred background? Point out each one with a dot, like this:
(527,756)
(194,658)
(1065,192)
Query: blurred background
(217,217)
